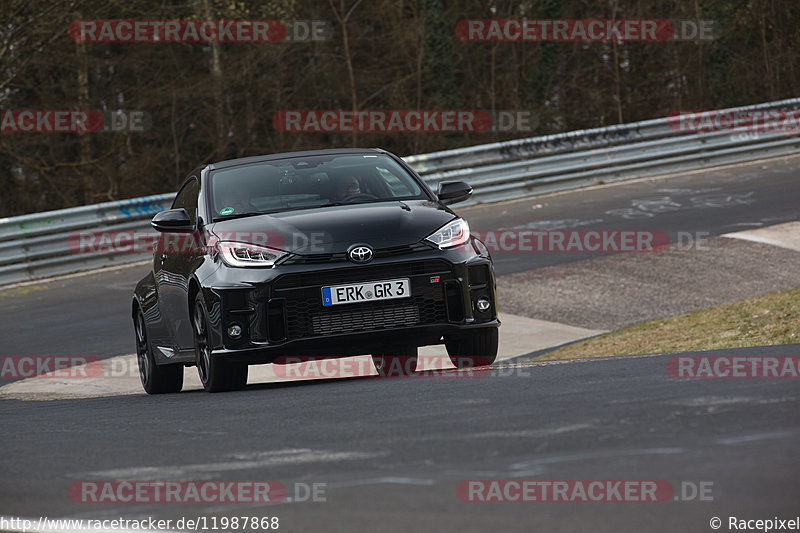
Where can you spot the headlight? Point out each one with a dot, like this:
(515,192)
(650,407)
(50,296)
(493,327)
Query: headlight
(451,234)
(239,254)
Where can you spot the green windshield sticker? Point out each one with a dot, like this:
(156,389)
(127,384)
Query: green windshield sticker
(226,211)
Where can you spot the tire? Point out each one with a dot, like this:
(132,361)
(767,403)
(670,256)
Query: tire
(215,375)
(399,362)
(476,348)
(156,379)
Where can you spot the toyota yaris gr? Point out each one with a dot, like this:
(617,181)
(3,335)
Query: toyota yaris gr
(329,253)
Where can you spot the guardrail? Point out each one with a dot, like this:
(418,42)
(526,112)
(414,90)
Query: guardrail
(36,245)
(538,165)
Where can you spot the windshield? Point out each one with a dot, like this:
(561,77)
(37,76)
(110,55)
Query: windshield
(309,182)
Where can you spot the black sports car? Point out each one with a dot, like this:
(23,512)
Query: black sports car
(323,254)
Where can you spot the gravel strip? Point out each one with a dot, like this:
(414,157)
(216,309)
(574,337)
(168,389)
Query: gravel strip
(620,290)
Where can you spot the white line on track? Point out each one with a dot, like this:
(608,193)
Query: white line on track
(782,235)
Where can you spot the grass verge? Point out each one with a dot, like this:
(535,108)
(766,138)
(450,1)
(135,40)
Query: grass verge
(772,318)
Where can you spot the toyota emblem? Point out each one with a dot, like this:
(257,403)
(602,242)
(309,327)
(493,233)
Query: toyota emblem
(360,254)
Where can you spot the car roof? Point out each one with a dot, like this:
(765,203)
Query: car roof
(289,155)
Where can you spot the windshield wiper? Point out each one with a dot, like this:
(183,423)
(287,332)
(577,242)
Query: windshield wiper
(334,204)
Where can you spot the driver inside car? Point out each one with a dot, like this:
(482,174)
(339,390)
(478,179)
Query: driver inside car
(347,187)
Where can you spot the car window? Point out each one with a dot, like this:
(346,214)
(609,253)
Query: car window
(187,199)
(396,185)
(301,183)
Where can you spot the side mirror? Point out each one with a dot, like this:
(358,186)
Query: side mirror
(451,192)
(173,220)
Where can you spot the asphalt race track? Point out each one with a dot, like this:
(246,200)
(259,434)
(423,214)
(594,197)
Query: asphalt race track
(758,194)
(390,454)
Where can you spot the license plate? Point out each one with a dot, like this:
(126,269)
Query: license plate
(389,289)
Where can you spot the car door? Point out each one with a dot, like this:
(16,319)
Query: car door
(174,263)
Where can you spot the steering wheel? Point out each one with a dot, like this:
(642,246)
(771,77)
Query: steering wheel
(363,195)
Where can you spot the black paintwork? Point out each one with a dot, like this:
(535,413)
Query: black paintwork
(450,192)
(172,220)
(317,239)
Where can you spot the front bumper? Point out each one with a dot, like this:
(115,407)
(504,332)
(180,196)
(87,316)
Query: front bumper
(282,313)
(346,345)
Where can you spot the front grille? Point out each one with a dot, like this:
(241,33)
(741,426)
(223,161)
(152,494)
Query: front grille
(360,273)
(375,317)
(316,259)
(307,317)
(340,257)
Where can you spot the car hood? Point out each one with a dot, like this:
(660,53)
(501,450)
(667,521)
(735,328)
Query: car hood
(334,229)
